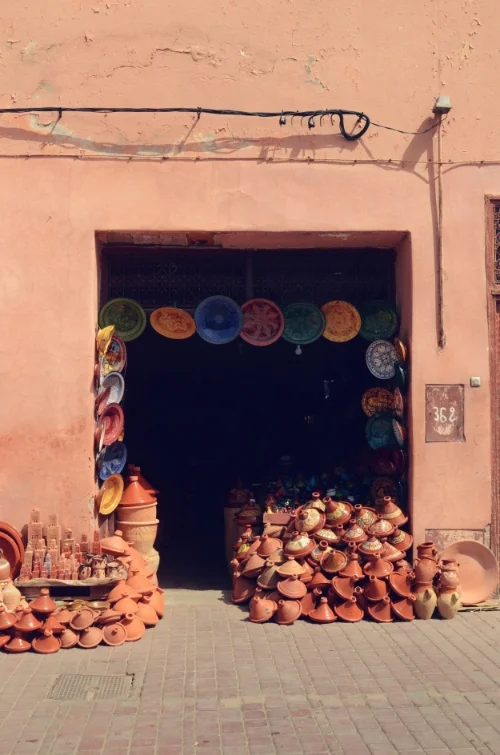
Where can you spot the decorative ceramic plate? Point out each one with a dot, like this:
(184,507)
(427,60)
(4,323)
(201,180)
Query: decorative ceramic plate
(399,403)
(400,376)
(126,315)
(172,322)
(112,460)
(343,321)
(383,486)
(304,323)
(388,461)
(218,320)
(115,358)
(399,433)
(379,431)
(378,321)
(263,322)
(377,400)
(110,494)
(102,399)
(116,384)
(478,570)
(401,351)
(104,337)
(381,359)
(112,421)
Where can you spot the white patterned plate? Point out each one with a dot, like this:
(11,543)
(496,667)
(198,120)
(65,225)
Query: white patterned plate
(380,359)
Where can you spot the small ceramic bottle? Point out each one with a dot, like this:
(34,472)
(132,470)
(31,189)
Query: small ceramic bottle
(11,596)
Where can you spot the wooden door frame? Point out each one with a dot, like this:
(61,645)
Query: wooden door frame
(492,209)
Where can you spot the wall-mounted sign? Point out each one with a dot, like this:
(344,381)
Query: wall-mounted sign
(444,414)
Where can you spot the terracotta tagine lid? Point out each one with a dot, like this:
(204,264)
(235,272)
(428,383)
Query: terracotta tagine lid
(292,588)
(135,494)
(390,511)
(318,552)
(5,570)
(332,535)
(134,470)
(138,582)
(349,610)
(90,637)
(404,566)
(120,590)
(46,643)
(310,520)
(400,540)
(158,602)
(310,601)
(337,512)
(308,573)
(378,567)
(375,589)
(333,561)
(109,616)
(364,516)
(323,614)
(404,608)
(371,546)
(344,586)
(114,634)
(115,545)
(253,566)
(401,582)
(146,612)
(288,611)
(82,619)
(44,603)
(134,627)
(381,527)
(254,546)
(360,597)
(353,567)
(259,593)
(391,553)
(7,620)
(269,545)
(4,639)
(354,533)
(268,578)
(262,610)
(315,502)
(53,624)
(17,644)
(68,639)
(28,622)
(381,611)
(125,605)
(299,545)
(64,615)
(290,567)
(319,580)
(278,557)
(243,588)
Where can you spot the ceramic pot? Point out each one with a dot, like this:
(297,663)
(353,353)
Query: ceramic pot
(46,644)
(390,511)
(27,622)
(390,552)
(125,605)
(310,601)
(114,634)
(402,582)
(310,520)
(262,610)
(53,624)
(318,581)
(4,639)
(141,534)
(243,589)
(259,593)
(381,527)
(138,582)
(268,545)
(44,604)
(364,516)
(425,570)
(5,570)
(17,644)
(400,540)
(381,611)
(288,611)
(337,512)
(378,567)
(329,534)
(90,638)
(268,578)
(353,567)
(333,561)
(122,590)
(11,597)
(349,610)
(375,589)
(344,586)
(254,566)
(290,567)
(146,612)
(404,609)
(109,616)
(323,614)
(278,557)
(82,619)
(115,545)
(135,627)
(292,588)
(427,550)
(145,512)
(315,502)
(360,597)
(448,579)
(448,604)
(425,603)
(404,566)
(319,551)
(68,639)
(134,470)
(7,619)
(299,545)
(370,547)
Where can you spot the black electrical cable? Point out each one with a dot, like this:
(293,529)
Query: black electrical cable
(362,118)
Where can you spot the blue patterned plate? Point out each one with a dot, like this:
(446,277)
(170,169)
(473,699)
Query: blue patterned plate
(379,431)
(218,319)
(112,460)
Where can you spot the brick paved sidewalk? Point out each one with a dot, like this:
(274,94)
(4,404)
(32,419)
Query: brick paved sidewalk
(208,682)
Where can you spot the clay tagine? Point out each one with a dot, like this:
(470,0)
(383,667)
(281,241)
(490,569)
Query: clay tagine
(146,612)
(53,624)
(332,535)
(290,567)
(109,616)
(268,579)
(401,583)
(90,638)
(310,601)
(4,639)
(391,553)
(400,540)
(319,551)
(381,611)
(44,604)
(349,610)
(115,545)
(243,589)
(323,614)
(125,605)
(344,586)
(268,545)
(138,582)
(27,622)
(319,580)
(375,589)
(17,644)
(364,516)
(288,611)
(299,545)
(354,533)
(262,610)
(310,520)
(404,608)
(353,567)
(253,566)
(308,573)
(333,561)
(378,567)
(390,511)
(82,619)
(315,502)
(7,620)
(381,527)
(337,512)
(114,634)
(292,588)
(134,627)
(135,494)
(158,602)
(46,643)
(68,639)
(64,615)
(371,546)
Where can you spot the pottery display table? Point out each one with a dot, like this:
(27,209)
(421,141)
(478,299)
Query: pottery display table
(91,589)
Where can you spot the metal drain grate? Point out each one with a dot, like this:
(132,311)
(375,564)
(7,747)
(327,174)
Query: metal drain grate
(90,687)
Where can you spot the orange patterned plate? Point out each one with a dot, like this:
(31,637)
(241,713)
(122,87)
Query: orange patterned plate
(401,351)
(376,401)
(399,403)
(343,321)
(172,322)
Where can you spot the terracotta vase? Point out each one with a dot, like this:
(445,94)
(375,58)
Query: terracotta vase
(337,512)
(288,611)
(5,570)
(143,513)
(122,590)
(378,567)
(349,610)
(90,638)
(354,533)
(82,619)
(268,545)
(146,612)
(448,579)
(370,547)
(254,566)
(448,604)
(262,610)
(375,589)
(27,622)
(426,602)
(390,511)
(53,624)
(44,604)
(17,644)
(68,638)
(319,551)
(353,567)
(115,545)
(404,608)
(125,605)
(425,570)
(114,634)
(310,601)
(310,520)
(344,586)
(323,614)
(381,611)
(11,597)
(292,588)
(333,561)
(47,643)
(299,545)
(401,583)
(290,567)
(364,516)
(141,534)
(7,619)
(318,581)
(427,550)
(243,589)
(268,578)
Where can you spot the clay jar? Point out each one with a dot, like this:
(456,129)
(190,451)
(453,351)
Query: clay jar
(448,604)
(134,627)
(378,567)
(268,545)
(114,634)
(5,570)
(262,610)
(11,596)
(375,589)
(288,611)
(46,644)
(404,608)
(425,570)
(381,611)
(349,611)
(292,588)
(337,512)
(427,550)
(425,603)
(90,638)
(27,622)
(323,614)
(44,604)
(448,579)
(7,620)
(136,505)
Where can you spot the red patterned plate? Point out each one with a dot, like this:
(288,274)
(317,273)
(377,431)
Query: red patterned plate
(112,420)
(376,401)
(263,322)
(343,321)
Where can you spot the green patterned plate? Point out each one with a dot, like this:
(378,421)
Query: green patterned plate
(304,323)
(126,315)
(378,321)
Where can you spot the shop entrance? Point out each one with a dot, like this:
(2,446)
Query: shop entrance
(199,417)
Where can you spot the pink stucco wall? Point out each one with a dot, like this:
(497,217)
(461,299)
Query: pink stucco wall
(233,175)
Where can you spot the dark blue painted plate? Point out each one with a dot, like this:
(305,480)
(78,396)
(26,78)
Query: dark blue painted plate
(112,460)
(218,320)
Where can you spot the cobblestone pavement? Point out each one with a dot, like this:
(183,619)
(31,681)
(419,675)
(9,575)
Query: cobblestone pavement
(208,682)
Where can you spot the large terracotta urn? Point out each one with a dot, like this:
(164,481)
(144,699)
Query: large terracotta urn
(141,534)
(136,505)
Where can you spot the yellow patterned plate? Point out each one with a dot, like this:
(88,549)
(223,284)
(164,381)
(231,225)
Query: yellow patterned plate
(104,338)
(376,401)
(172,322)
(343,321)
(110,494)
